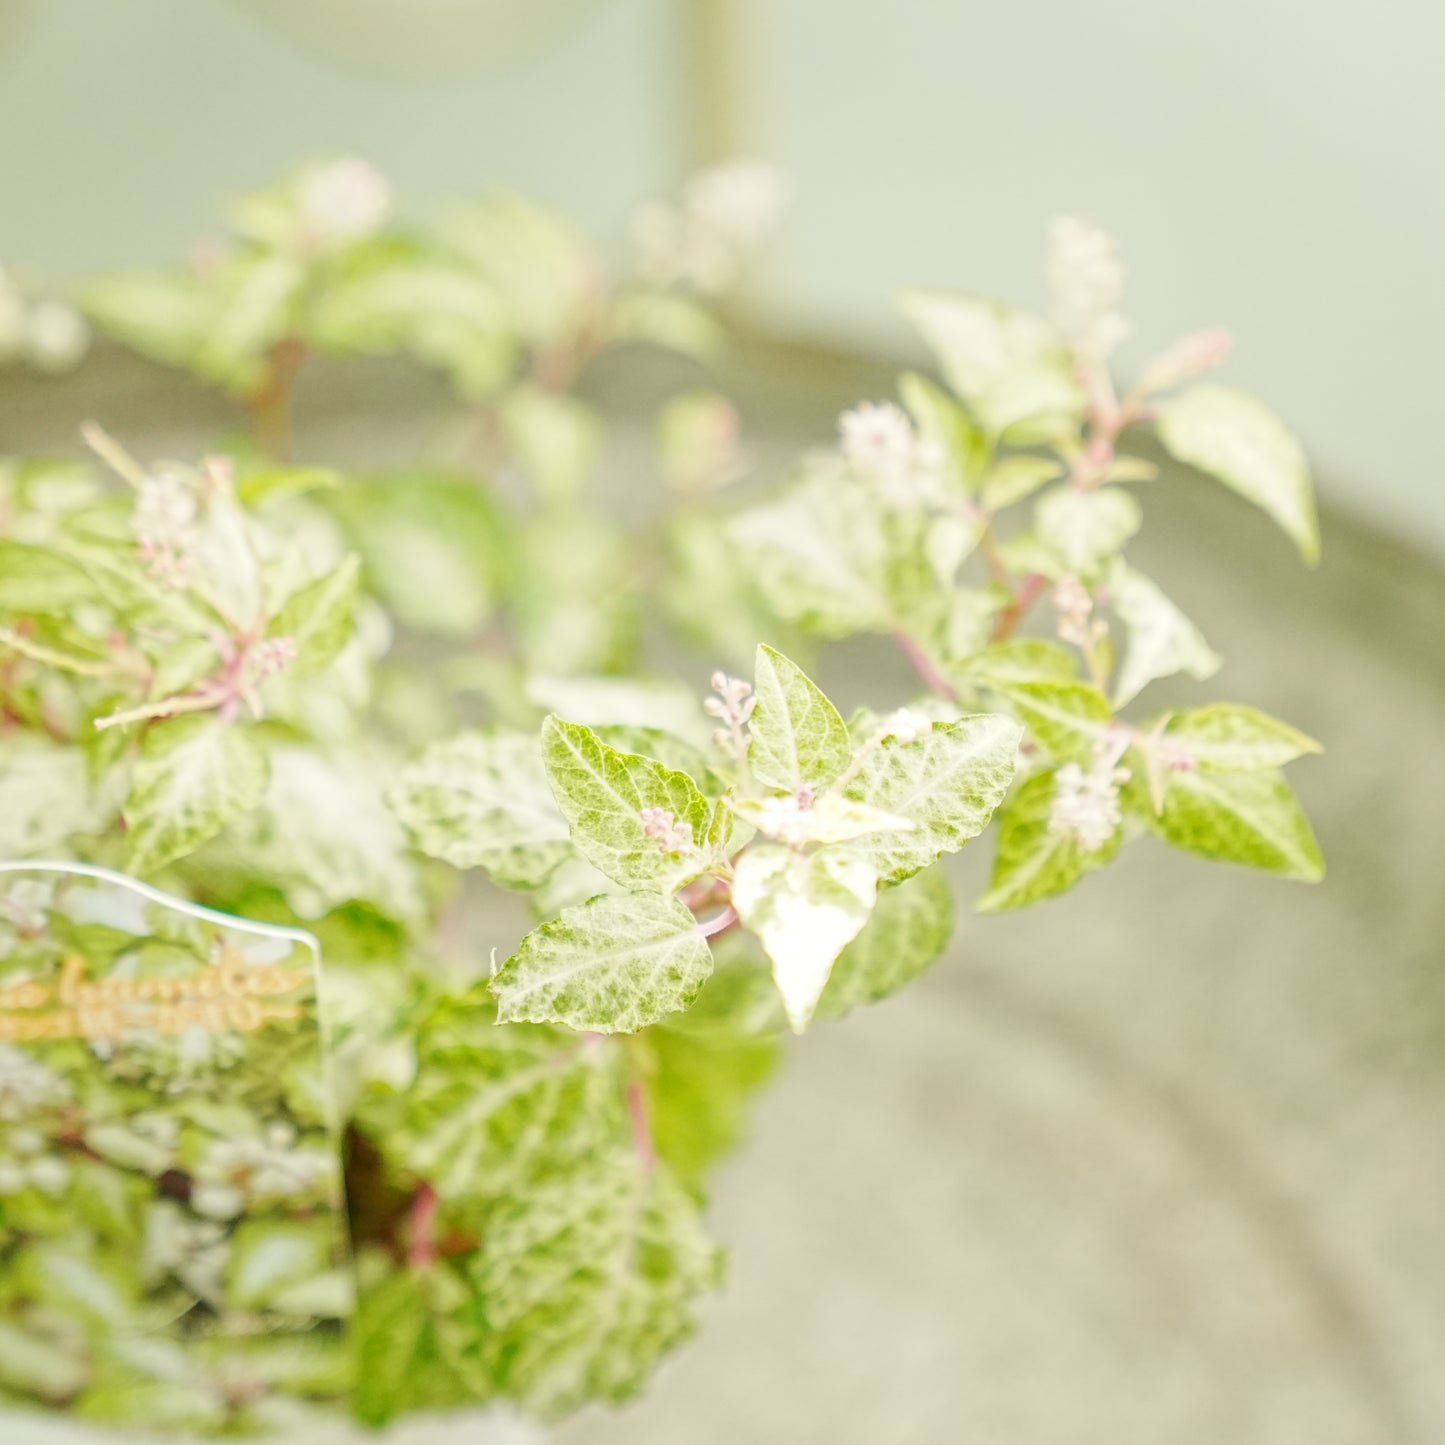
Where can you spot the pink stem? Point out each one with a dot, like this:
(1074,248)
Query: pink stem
(421,1250)
(719,922)
(1024,597)
(641,1131)
(923,666)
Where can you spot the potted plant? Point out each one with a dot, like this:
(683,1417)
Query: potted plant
(346,700)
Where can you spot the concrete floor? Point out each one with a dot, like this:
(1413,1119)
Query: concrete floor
(1159,1161)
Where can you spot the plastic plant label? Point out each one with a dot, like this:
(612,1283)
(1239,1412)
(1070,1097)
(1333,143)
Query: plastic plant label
(173,1245)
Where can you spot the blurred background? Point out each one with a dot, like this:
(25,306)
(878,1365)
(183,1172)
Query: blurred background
(1273,164)
(1160,1161)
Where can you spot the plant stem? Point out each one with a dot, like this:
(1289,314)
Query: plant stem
(719,923)
(49,657)
(1025,595)
(923,665)
(421,1246)
(166,708)
(641,1130)
(270,403)
(113,454)
(1107,417)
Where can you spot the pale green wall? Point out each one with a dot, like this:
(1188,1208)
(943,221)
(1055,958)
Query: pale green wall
(125,123)
(1276,165)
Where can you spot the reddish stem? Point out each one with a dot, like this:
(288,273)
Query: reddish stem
(421,1248)
(270,403)
(719,923)
(923,665)
(1024,598)
(641,1130)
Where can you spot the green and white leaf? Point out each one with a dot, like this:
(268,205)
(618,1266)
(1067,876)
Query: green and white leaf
(602,794)
(533,262)
(488,1110)
(1228,737)
(269,485)
(907,931)
(323,835)
(163,315)
(832,819)
(819,554)
(804,909)
(401,296)
(45,797)
(797,739)
(1012,369)
(412,1352)
(947,544)
(1086,529)
(40,580)
(1033,862)
(1068,718)
(614,964)
(590,1277)
(193,777)
(670,320)
(254,299)
(1242,443)
(695,441)
(1252,819)
(558,439)
(940,419)
(432,545)
(481,800)
(947,784)
(1021,659)
(320,618)
(1017,477)
(1162,640)
(701,1081)
(667,748)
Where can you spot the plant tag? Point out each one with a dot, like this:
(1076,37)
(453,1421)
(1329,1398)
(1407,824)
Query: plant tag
(173,1243)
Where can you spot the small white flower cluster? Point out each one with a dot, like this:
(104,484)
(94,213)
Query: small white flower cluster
(27,1087)
(1086,804)
(269,656)
(704,241)
(165,526)
(246,663)
(342,201)
(48,334)
(905,725)
(25,1164)
(670,835)
(787,820)
(733,705)
(880,443)
(1075,605)
(1086,276)
(269,1165)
